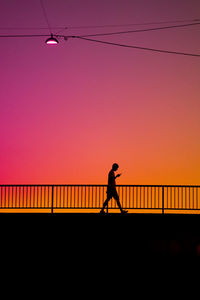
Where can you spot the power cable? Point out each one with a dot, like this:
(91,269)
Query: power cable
(31,28)
(97,26)
(133,24)
(24,35)
(121,32)
(104,42)
(124,25)
(45,16)
(142,30)
(127,25)
(137,47)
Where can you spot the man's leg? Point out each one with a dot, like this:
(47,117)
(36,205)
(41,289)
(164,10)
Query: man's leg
(118,202)
(116,197)
(105,204)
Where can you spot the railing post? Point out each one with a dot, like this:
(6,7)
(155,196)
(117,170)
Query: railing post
(52,199)
(163,200)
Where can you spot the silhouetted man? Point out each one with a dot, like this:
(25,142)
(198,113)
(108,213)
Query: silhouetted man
(111,189)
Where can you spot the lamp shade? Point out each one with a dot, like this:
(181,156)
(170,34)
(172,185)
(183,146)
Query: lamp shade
(51,41)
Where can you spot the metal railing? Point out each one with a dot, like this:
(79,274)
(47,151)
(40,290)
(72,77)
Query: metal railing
(141,198)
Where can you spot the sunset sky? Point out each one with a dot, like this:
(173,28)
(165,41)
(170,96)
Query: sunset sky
(71,110)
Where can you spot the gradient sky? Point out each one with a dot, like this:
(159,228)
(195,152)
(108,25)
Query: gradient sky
(69,111)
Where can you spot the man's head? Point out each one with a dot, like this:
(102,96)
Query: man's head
(115,167)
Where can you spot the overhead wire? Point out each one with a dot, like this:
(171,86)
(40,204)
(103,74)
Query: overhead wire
(125,25)
(86,37)
(30,28)
(95,26)
(142,30)
(134,24)
(125,32)
(138,47)
(45,16)
(23,35)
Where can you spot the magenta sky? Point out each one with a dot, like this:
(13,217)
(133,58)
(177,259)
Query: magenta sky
(69,111)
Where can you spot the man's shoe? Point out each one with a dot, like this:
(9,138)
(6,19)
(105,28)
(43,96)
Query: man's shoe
(124,211)
(102,212)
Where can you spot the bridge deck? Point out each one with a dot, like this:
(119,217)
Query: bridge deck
(131,235)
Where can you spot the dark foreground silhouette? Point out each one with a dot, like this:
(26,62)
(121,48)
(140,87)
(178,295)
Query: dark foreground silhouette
(111,190)
(134,235)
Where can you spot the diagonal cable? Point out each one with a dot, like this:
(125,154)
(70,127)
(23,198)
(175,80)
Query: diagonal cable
(45,16)
(137,47)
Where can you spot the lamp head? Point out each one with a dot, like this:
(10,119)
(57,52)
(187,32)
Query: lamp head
(51,41)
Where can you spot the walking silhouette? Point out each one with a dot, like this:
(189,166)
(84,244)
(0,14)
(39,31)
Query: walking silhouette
(111,189)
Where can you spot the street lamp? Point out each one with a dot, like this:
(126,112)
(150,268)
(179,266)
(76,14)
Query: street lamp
(51,41)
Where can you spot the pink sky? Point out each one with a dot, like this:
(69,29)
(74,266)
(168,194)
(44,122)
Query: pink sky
(69,111)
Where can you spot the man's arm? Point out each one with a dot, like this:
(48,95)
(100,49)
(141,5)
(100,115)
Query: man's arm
(118,175)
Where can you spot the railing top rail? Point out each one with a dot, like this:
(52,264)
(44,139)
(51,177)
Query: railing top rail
(97,185)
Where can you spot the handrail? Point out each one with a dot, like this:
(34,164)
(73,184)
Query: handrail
(125,185)
(150,198)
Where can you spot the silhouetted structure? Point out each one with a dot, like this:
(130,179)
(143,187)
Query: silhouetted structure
(71,197)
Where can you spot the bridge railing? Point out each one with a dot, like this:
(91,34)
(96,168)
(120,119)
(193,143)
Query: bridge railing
(149,198)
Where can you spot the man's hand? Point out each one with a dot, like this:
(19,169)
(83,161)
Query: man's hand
(118,175)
